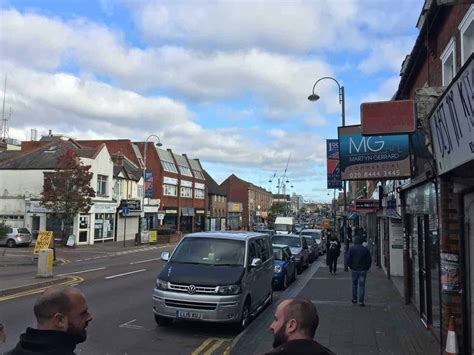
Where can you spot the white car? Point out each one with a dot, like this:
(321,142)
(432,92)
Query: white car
(16,237)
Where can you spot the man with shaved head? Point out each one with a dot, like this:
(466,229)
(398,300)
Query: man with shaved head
(294,326)
(62,317)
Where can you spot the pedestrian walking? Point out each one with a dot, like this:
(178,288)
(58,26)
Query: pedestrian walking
(62,317)
(334,251)
(359,261)
(294,326)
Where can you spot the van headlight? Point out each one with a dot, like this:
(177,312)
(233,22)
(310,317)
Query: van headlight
(228,290)
(161,285)
(277,269)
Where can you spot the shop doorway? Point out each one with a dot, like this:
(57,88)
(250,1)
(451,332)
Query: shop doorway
(424,274)
(469,257)
(35,226)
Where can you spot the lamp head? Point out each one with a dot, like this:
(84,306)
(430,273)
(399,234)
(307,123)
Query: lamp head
(313,97)
(159,144)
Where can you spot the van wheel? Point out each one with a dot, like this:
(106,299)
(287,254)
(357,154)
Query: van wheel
(163,321)
(11,243)
(245,316)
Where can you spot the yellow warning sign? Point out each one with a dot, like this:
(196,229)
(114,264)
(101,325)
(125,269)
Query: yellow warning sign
(153,236)
(43,241)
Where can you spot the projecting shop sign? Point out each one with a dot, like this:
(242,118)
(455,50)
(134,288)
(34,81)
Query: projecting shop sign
(333,169)
(452,122)
(372,158)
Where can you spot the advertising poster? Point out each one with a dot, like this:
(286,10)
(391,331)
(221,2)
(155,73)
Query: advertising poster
(333,170)
(372,157)
(148,183)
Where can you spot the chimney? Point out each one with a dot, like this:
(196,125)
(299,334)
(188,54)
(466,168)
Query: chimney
(117,158)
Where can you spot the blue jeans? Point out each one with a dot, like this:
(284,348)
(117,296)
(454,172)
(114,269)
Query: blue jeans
(358,277)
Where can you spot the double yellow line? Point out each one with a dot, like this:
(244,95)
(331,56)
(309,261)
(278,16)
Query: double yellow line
(72,280)
(211,345)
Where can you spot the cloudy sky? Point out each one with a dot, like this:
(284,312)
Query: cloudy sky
(223,81)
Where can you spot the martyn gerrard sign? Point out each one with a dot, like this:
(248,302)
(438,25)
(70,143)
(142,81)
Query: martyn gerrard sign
(452,122)
(374,157)
(387,117)
(333,169)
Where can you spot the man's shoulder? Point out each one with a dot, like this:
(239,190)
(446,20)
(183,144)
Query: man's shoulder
(302,347)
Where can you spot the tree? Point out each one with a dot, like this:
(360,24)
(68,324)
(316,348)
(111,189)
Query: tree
(277,209)
(3,229)
(67,191)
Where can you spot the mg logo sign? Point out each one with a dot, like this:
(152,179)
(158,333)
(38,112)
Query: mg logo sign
(366,144)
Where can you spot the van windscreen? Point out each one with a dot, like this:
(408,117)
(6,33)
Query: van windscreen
(210,251)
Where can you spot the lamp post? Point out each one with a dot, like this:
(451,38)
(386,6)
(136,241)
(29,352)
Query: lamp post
(315,97)
(142,214)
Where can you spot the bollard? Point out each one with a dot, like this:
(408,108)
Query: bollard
(45,263)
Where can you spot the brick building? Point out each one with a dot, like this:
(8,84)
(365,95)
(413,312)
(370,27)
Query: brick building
(255,201)
(217,205)
(437,203)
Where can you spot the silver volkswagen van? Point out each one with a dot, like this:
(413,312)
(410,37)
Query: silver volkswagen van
(215,277)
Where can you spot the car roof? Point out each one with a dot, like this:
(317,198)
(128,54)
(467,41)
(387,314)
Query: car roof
(287,235)
(237,235)
(311,230)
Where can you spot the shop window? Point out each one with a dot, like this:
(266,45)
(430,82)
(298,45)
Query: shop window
(186,192)
(169,190)
(448,62)
(103,226)
(101,185)
(199,194)
(466,32)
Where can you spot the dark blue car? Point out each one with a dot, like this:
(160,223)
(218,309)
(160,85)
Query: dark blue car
(285,266)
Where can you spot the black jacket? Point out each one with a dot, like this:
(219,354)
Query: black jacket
(358,257)
(301,347)
(334,247)
(44,342)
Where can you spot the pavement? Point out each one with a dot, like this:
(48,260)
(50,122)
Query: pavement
(384,326)
(18,267)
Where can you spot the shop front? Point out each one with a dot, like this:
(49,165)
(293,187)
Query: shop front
(421,252)
(170,219)
(128,219)
(186,219)
(103,222)
(199,219)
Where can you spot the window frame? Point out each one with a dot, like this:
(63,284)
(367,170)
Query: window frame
(171,187)
(102,184)
(184,170)
(169,166)
(449,50)
(196,195)
(186,189)
(465,23)
(198,174)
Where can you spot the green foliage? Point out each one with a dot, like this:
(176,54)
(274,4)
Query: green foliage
(3,229)
(67,191)
(277,209)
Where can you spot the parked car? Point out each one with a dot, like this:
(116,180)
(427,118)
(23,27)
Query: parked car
(285,266)
(313,247)
(215,277)
(319,238)
(16,237)
(298,246)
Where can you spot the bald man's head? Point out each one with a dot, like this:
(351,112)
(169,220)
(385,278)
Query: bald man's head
(63,308)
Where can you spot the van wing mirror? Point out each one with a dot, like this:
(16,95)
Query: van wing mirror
(165,256)
(256,262)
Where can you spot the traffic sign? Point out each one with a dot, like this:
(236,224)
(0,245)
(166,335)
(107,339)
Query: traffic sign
(43,241)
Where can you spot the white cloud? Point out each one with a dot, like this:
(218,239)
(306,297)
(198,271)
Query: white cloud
(385,91)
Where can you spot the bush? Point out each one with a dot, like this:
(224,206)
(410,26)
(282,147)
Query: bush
(3,229)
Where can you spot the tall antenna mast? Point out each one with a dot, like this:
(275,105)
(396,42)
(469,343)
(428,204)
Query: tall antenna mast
(4,120)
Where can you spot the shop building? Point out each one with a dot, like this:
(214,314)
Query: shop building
(436,202)
(217,205)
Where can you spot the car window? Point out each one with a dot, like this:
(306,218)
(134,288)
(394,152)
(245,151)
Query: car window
(252,251)
(278,254)
(309,240)
(23,230)
(287,240)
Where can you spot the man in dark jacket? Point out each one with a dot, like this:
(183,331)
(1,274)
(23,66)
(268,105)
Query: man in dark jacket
(334,250)
(294,325)
(359,260)
(62,317)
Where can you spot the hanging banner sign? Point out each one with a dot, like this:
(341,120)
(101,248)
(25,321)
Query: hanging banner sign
(388,117)
(333,169)
(148,183)
(374,157)
(452,122)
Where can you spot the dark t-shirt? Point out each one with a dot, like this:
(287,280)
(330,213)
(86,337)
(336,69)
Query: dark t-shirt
(301,347)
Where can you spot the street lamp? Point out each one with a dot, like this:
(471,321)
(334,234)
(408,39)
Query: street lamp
(315,97)
(144,172)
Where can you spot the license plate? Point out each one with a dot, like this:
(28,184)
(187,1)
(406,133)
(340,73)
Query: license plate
(188,315)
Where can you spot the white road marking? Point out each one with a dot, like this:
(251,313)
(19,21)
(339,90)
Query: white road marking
(124,274)
(82,271)
(143,261)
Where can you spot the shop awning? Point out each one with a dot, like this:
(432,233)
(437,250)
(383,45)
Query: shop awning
(354,215)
